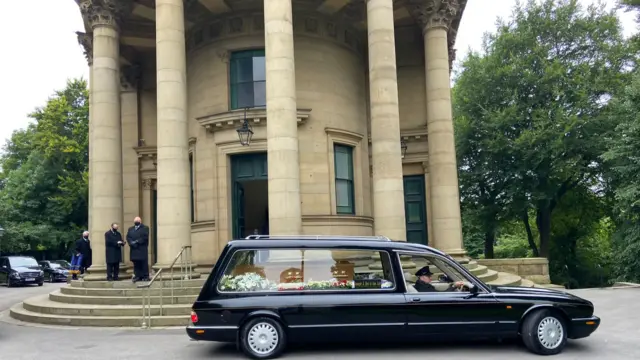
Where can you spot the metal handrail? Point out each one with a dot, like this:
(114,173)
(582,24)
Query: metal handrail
(317,237)
(186,273)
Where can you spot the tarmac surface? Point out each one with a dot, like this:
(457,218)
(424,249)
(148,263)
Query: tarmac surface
(617,338)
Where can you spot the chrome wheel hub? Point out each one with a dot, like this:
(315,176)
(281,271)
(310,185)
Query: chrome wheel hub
(550,333)
(263,338)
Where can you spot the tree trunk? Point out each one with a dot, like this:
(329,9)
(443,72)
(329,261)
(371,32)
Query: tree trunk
(543,221)
(489,240)
(527,226)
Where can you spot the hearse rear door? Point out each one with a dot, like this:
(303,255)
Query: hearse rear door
(348,315)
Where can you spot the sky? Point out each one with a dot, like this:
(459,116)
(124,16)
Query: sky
(41,51)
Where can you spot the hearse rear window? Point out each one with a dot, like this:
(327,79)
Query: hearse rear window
(307,270)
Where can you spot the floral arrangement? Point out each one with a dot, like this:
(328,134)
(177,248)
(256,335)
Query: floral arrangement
(255,282)
(246,282)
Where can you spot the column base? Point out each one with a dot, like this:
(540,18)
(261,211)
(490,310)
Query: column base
(459,255)
(99,273)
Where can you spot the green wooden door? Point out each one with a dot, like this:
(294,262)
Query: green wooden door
(415,209)
(154,204)
(246,167)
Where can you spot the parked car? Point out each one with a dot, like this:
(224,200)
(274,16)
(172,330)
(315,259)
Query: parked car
(55,270)
(267,291)
(20,270)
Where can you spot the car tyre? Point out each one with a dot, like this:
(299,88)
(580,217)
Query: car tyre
(262,338)
(50,278)
(544,333)
(41,283)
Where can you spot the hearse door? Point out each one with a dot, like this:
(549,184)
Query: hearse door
(350,316)
(451,314)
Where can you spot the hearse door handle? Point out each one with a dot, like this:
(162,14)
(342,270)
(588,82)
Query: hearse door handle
(415,299)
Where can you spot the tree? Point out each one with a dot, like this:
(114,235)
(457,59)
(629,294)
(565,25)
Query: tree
(43,198)
(622,157)
(531,108)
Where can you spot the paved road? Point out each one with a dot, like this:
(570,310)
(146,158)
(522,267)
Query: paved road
(12,296)
(617,338)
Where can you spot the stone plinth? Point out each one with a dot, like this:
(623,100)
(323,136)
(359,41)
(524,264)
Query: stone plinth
(534,269)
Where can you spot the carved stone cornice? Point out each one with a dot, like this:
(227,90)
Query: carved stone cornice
(104,12)
(130,77)
(86,40)
(435,13)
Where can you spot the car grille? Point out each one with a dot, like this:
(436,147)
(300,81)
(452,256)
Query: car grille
(31,274)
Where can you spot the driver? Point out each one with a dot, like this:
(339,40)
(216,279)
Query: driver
(423,284)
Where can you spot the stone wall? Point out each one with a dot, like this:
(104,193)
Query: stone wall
(534,269)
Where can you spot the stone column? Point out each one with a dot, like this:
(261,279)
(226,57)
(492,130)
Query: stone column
(435,17)
(147,213)
(105,162)
(282,125)
(174,200)
(427,192)
(86,41)
(129,78)
(388,193)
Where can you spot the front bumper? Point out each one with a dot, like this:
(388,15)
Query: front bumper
(583,327)
(213,333)
(27,280)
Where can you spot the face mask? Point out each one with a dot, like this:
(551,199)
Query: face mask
(137,223)
(86,237)
(115,229)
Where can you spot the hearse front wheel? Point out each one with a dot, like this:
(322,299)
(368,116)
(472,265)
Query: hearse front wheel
(544,333)
(262,338)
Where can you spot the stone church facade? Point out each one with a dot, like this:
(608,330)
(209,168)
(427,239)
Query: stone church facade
(217,119)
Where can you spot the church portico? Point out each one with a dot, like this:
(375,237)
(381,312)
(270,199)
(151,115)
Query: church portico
(343,106)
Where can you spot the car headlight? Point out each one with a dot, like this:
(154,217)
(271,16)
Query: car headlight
(15,275)
(41,273)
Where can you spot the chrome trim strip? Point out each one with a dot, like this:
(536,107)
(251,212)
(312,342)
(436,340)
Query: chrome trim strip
(593,318)
(343,325)
(462,323)
(230,327)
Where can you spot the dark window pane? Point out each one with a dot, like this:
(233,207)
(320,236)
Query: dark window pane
(244,94)
(414,212)
(244,70)
(259,93)
(343,193)
(259,71)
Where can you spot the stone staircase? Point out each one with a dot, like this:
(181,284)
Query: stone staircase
(119,304)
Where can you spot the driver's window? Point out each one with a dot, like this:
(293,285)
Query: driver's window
(433,275)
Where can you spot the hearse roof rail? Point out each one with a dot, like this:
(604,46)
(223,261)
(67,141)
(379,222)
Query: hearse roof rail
(316,237)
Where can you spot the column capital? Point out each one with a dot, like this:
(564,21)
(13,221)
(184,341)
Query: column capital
(130,77)
(432,14)
(86,40)
(104,12)
(147,183)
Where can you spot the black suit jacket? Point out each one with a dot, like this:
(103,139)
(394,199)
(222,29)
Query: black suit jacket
(113,250)
(138,241)
(84,247)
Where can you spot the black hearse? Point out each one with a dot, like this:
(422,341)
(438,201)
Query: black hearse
(265,291)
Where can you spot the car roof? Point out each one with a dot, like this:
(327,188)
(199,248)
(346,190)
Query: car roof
(313,241)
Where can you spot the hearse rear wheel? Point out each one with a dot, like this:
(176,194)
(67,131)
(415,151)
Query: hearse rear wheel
(544,333)
(262,338)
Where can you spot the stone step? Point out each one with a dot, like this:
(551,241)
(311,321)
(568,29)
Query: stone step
(42,304)
(488,276)
(472,264)
(527,283)
(506,279)
(478,270)
(197,282)
(57,296)
(20,313)
(68,290)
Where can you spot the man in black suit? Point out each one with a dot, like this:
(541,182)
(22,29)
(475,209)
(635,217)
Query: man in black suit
(83,246)
(113,246)
(138,240)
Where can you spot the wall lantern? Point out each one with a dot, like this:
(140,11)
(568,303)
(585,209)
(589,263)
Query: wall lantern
(245,132)
(403,147)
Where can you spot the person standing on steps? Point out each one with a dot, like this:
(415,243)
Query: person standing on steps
(138,240)
(83,247)
(113,246)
